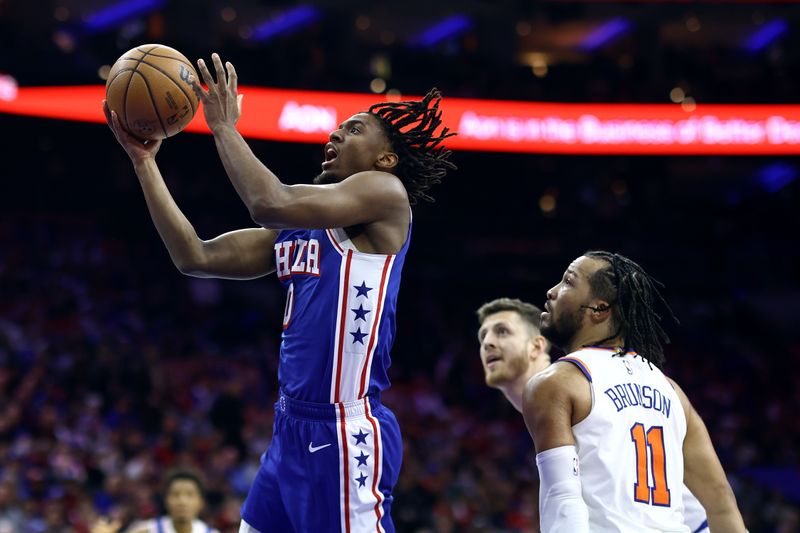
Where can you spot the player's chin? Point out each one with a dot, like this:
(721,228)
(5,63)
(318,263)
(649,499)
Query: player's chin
(326,177)
(495,378)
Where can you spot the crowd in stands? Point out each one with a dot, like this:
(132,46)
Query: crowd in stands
(114,369)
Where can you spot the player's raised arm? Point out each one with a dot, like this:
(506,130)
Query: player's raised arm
(242,254)
(704,476)
(359,183)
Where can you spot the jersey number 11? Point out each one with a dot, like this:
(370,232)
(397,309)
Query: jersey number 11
(653,438)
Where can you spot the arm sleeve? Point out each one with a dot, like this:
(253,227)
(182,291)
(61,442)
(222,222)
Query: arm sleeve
(561,505)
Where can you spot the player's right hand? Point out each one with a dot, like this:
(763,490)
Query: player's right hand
(136,149)
(104,525)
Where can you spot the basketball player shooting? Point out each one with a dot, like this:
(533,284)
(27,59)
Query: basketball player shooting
(618,439)
(336,451)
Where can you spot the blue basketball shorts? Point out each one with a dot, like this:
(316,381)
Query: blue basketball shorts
(329,468)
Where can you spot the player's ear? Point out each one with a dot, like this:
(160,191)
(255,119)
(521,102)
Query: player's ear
(538,346)
(600,310)
(387,160)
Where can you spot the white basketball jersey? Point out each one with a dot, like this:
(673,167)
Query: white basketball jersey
(694,515)
(630,446)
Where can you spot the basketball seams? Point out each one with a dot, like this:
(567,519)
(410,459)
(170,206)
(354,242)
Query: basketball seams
(120,71)
(181,59)
(170,78)
(134,69)
(153,101)
(125,96)
(187,62)
(110,84)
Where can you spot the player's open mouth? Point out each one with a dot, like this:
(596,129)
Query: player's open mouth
(492,359)
(330,155)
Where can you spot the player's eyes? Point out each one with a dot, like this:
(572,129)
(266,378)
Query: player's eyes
(355,130)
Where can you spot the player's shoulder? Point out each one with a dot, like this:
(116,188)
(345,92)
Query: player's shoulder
(388,184)
(583,359)
(557,380)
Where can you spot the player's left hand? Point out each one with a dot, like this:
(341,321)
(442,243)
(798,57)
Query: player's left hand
(222,105)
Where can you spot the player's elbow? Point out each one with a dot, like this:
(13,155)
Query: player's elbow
(191,265)
(265,214)
(189,268)
(270,211)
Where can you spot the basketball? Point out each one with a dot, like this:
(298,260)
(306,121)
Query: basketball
(149,89)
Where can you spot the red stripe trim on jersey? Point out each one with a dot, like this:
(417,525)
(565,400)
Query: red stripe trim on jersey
(580,364)
(378,497)
(342,322)
(334,241)
(378,310)
(346,476)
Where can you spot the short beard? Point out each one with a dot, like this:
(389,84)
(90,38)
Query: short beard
(326,178)
(515,367)
(561,332)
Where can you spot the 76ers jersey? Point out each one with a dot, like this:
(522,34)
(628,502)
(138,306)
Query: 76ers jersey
(630,446)
(339,322)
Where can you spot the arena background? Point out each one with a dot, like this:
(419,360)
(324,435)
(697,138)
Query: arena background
(114,367)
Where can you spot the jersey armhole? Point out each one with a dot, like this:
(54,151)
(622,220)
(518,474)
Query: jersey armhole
(583,367)
(580,364)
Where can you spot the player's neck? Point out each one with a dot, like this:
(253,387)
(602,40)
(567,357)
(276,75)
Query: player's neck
(594,337)
(182,526)
(514,390)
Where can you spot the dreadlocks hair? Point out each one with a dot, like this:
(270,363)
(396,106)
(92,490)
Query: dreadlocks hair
(411,129)
(633,296)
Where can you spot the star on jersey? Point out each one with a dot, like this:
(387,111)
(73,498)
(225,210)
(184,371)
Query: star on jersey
(362,459)
(361,437)
(362,289)
(361,480)
(358,336)
(361,313)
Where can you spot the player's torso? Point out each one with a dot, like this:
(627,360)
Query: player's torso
(630,445)
(339,319)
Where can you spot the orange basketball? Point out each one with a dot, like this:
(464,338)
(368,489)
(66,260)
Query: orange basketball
(148,87)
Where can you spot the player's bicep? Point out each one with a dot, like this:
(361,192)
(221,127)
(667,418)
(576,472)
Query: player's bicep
(363,198)
(240,254)
(547,408)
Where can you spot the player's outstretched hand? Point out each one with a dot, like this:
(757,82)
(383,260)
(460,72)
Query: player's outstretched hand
(222,104)
(136,149)
(104,525)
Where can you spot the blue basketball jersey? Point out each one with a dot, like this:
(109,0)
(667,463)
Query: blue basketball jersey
(339,320)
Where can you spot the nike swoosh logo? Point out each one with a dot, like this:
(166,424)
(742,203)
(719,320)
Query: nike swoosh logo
(314,449)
